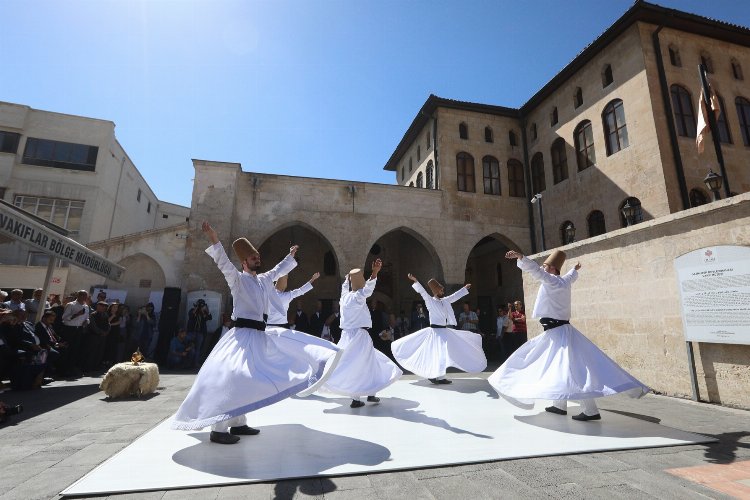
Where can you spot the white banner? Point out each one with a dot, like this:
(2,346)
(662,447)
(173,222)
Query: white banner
(715,291)
(19,227)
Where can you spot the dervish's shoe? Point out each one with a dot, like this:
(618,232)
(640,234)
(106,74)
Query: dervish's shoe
(583,417)
(357,404)
(433,380)
(223,438)
(373,399)
(243,430)
(556,410)
(444,381)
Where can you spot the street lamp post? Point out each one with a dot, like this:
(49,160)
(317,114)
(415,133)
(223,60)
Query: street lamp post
(538,197)
(713,182)
(570,233)
(628,211)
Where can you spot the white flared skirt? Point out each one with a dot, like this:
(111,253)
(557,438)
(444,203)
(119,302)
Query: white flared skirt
(362,370)
(561,364)
(430,351)
(249,369)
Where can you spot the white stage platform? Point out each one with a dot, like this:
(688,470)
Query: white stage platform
(415,425)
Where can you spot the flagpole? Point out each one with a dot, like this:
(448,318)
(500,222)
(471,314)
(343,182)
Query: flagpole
(712,126)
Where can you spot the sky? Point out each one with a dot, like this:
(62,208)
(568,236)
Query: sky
(321,88)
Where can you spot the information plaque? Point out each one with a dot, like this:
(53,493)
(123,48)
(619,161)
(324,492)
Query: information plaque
(714,287)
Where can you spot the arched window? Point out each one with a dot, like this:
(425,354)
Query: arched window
(559,160)
(707,62)
(607,77)
(566,235)
(537,173)
(533,132)
(512,138)
(516,186)
(419,153)
(697,197)
(578,97)
(499,272)
(329,264)
(430,176)
(721,123)
(463,131)
(465,172)
(491,171)
(488,137)
(743,113)
(637,217)
(684,116)
(420,178)
(736,69)
(674,56)
(615,128)
(553,119)
(596,223)
(584,139)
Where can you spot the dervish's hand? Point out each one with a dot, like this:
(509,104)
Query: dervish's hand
(376,266)
(314,277)
(467,285)
(210,232)
(411,277)
(293,250)
(578,266)
(512,254)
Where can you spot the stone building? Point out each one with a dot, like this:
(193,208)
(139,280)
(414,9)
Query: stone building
(72,171)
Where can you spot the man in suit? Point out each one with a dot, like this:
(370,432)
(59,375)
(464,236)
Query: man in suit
(334,323)
(317,320)
(301,324)
(55,345)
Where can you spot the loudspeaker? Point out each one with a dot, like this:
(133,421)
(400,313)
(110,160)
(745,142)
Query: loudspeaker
(170,310)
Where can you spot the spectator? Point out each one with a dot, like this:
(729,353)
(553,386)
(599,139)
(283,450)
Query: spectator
(317,320)
(114,340)
(402,324)
(379,323)
(32,305)
(3,298)
(301,324)
(146,325)
(502,323)
(101,296)
(75,317)
(59,358)
(181,352)
(129,342)
(29,371)
(518,316)
(419,318)
(58,306)
(468,319)
(96,340)
(333,322)
(197,327)
(16,300)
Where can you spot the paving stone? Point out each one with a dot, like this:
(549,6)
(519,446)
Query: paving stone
(47,484)
(193,493)
(389,479)
(92,455)
(666,486)
(145,495)
(601,462)
(19,472)
(256,491)
(452,487)
(503,484)
(350,482)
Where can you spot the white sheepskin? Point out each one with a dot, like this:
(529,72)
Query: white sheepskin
(127,379)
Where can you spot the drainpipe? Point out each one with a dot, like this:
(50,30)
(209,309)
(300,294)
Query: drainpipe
(532,231)
(664,86)
(435,151)
(114,207)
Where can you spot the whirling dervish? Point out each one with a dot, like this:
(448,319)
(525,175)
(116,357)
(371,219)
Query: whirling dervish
(430,351)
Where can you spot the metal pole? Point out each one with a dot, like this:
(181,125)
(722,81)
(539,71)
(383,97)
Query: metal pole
(712,126)
(691,368)
(45,289)
(541,223)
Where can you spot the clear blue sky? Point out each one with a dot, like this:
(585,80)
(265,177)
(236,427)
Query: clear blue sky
(322,88)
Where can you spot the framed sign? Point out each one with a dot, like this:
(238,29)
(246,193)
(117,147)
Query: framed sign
(714,287)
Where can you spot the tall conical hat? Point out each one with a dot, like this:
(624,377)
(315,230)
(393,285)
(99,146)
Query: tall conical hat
(243,248)
(356,279)
(281,283)
(556,258)
(435,286)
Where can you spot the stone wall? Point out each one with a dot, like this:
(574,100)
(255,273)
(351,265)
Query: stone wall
(627,300)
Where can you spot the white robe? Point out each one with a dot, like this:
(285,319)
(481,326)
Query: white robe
(363,370)
(248,369)
(561,363)
(430,351)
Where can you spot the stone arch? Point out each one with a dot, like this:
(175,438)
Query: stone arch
(403,250)
(311,258)
(495,280)
(142,275)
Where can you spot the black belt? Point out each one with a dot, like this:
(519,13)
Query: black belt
(550,323)
(250,323)
(442,326)
(285,325)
